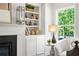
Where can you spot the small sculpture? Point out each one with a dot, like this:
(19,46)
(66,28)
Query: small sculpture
(76,43)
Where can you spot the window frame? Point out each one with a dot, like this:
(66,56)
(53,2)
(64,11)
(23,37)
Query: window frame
(74,25)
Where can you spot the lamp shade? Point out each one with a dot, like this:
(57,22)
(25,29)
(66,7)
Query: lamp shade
(52,28)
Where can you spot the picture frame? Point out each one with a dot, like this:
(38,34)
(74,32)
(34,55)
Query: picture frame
(5,10)
(5,6)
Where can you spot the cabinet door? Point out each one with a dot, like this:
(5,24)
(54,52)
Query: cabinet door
(31,46)
(40,45)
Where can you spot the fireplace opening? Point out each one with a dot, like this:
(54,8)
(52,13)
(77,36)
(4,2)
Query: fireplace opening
(5,49)
(8,45)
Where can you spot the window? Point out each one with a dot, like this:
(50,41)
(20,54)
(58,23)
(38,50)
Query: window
(66,22)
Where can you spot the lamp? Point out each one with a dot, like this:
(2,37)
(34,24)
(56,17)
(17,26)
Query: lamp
(52,28)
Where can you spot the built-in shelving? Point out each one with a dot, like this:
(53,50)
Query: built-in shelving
(29,17)
(32,12)
(32,26)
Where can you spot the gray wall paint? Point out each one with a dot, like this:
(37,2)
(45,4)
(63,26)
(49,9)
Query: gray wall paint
(43,18)
(48,17)
(77,20)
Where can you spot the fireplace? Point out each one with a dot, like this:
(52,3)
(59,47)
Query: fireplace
(8,45)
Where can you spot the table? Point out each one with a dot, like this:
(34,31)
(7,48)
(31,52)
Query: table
(52,49)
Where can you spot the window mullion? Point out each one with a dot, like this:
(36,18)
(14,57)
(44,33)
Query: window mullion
(71,24)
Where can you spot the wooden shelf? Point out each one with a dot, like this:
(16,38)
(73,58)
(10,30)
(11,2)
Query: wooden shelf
(31,19)
(32,26)
(32,12)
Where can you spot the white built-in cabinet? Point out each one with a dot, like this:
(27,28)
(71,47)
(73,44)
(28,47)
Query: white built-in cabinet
(31,46)
(36,46)
(40,45)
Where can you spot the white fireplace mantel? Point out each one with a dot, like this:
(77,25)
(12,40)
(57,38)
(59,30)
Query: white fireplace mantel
(19,30)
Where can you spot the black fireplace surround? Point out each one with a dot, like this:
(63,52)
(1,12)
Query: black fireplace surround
(8,45)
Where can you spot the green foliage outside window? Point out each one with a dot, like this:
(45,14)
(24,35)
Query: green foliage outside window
(66,22)
(69,31)
(60,31)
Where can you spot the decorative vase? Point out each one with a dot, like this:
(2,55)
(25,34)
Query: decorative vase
(53,39)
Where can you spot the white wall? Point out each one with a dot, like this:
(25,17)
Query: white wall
(43,18)
(77,20)
(48,17)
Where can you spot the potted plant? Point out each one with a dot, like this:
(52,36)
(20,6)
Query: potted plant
(29,7)
(49,41)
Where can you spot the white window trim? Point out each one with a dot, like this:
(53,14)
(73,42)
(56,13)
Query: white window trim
(74,25)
